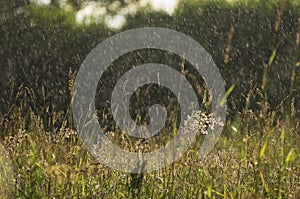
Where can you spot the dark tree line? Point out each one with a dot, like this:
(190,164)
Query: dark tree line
(39,48)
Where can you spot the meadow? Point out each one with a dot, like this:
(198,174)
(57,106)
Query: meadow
(257,155)
(254,158)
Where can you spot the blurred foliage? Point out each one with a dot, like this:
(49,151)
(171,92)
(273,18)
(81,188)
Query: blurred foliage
(41,45)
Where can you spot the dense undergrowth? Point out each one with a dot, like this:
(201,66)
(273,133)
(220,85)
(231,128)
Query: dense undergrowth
(258,160)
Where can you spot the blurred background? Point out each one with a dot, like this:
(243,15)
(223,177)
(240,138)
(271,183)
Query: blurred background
(255,44)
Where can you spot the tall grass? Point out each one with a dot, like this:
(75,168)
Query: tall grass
(257,157)
(244,164)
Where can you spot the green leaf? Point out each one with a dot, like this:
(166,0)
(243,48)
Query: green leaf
(291,156)
(271,59)
(263,149)
(228,92)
